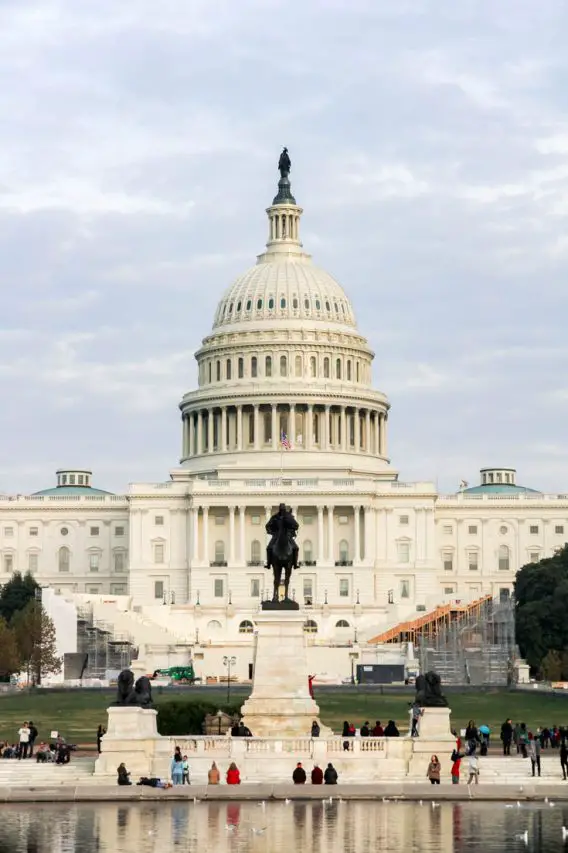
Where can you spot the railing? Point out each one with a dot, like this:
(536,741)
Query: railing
(225,746)
(24,499)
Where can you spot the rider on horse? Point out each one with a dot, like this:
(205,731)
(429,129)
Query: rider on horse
(282,517)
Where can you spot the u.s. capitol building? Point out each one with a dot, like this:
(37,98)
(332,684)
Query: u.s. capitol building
(285,409)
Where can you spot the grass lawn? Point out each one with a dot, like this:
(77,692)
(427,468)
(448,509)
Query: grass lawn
(76,714)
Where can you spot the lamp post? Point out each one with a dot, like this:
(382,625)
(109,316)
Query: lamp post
(353,657)
(229,662)
(219,718)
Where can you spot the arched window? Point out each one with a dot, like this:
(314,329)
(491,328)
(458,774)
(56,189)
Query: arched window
(295,302)
(218,371)
(326,368)
(255,552)
(231,308)
(249,304)
(349,370)
(246,627)
(307,304)
(338,368)
(64,559)
(283,366)
(504,558)
(313,371)
(298,365)
(253,366)
(308,551)
(239,304)
(344,551)
(259,304)
(241,368)
(210,371)
(327,306)
(342,624)
(357,372)
(219,551)
(318,305)
(268,365)
(214,627)
(228,368)
(310,627)
(283,302)
(271,303)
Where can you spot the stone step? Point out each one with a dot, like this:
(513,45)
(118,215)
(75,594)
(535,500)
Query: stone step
(30,773)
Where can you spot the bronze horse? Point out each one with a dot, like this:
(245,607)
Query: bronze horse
(282,559)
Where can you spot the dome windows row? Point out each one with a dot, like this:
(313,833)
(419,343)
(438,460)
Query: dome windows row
(271,366)
(297,306)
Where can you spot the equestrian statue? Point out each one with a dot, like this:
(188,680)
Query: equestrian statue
(282,550)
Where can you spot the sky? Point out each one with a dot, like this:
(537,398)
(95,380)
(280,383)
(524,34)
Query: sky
(138,151)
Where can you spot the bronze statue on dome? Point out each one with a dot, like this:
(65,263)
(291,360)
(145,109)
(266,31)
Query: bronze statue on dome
(284,163)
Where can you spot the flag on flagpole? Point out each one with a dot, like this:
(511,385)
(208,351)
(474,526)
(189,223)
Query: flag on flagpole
(285,441)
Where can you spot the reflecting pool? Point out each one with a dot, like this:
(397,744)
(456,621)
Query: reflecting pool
(310,827)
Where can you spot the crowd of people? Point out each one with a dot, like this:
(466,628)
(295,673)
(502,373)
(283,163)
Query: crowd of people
(56,751)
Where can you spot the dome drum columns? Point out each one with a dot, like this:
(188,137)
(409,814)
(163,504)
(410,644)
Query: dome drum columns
(307,426)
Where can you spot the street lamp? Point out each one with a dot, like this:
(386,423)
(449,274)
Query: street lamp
(229,662)
(219,718)
(353,657)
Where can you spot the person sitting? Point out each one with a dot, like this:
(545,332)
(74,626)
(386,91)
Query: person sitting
(317,775)
(299,775)
(213,775)
(123,775)
(233,775)
(43,753)
(365,731)
(378,730)
(62,754)
(330,776)
(391,729)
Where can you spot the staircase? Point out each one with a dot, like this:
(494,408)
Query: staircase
(27,773)
(514,769)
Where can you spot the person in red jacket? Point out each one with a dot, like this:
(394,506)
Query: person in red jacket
(317,775)
(233,775)
(378,730)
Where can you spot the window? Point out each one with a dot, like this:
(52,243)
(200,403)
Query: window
(283,302)
(254,588)
(259,304)
(504,595)
(318,305)
(159,520)
(559,529)
(343,551)
(241,368)
(34,531)
(343,623)
(308,551)
(343,587)
(253,367)
(8,562)
(64,531)
(268,366)
(326,368)
(219,520)
(533,529)
(271,303)
(210,366)
(228,368)
(94,531)
(403,552)
(449,590)
(118,589)
(246,627)
(219,551)
(504,562)
(349,370)
(63,559)
(472,529)
(310,627)
(159,552)
(502,530)
(404,519)
(93,589)
(405,589)
(218,371)
(308,589)
(448,529)
(307,519)
(298,365)
(255,519)
(313,370)
(295,302)
(338,369)
(283,366)
(119,561)
(119,531)
(448,560)
(72,479)
(32,562)
(473,561)
(534,557)
(158,589)
(218,587)
(94,560)
(8,531)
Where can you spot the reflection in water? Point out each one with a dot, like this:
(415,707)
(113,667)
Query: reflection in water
(318,827)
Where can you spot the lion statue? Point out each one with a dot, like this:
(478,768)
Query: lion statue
(129,693)
(429,691)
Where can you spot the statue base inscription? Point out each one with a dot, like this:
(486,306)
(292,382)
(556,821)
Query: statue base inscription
(285,604)
(280,703)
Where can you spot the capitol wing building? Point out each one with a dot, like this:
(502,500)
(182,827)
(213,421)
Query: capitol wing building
(285,410)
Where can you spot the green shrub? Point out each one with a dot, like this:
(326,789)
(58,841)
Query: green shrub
(178,718)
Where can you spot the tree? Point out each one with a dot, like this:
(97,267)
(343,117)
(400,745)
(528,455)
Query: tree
(541,605)
(9,654)
(16,593)
(36,639)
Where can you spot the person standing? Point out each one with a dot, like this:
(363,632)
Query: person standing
(473,763)
(33,736)
(534,748)
(315,729)
(456,764)
(24,738)
(185,765)
(434,770)
(507,736)
(564,758)
(101,732)
(523,739)
(177,769)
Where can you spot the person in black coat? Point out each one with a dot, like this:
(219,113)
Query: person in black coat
(299,775)
(507,736)
(330,775)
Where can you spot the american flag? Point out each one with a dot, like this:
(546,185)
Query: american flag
(285,441)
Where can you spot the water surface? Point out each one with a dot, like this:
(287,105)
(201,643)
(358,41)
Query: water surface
(310,827)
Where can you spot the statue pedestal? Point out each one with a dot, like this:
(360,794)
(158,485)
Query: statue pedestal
(280,704)
(132,737)
(435,738)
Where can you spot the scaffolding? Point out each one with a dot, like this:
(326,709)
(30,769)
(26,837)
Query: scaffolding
(428,627)
(105,648)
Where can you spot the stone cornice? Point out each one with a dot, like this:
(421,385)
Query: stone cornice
(235,397)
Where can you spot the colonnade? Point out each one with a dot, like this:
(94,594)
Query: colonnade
(307,426)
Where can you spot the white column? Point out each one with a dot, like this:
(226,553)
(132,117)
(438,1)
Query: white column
(195,543)
(325,436)
(242,515)
(223,436)
(330,554)
(191,434)
(231,535)
(309,427)
(292,425)
(320,557)
(239,427)
(378,552)
(199,432)
(267,514)
(344,443)
(382,435)
(275,436)
(368,519)
(356,429)
(205,511)
(367,431)
(256,426)
(357,528)
(210,431)
(377,439)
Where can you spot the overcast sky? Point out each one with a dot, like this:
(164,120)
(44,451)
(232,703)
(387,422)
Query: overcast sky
(138,146)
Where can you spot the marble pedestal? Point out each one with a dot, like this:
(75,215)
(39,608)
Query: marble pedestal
(132,737)
(280,704)
(435,738)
